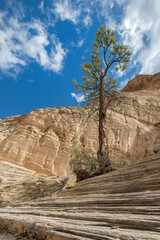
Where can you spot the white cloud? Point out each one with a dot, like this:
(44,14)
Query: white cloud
(111,4)
(65,10)
(121,2)
(87,20)
(41,6)
(140,30)
(74,11)
(80,43)
(22,42)
(56,57)
(103,8)
(79,97)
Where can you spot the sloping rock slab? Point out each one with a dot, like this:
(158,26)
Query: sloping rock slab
(140,176)
(18,184)
(95,208)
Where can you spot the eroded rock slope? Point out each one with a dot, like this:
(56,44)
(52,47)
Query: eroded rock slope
(44,139)
(18,184)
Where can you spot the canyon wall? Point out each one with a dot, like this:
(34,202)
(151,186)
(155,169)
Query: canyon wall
(43,140)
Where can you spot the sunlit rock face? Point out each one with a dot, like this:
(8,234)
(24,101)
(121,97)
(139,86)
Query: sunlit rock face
(44,139)
(134,131)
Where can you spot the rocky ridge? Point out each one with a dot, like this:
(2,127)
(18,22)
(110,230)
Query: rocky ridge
(143,82)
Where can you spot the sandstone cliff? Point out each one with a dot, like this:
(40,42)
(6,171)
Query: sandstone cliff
(43,139)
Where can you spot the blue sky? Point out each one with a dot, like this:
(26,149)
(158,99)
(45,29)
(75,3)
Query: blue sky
(42,43)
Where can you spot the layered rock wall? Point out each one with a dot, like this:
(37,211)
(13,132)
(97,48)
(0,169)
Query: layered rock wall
(43,140)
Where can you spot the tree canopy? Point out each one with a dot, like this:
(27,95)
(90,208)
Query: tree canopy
(107,51)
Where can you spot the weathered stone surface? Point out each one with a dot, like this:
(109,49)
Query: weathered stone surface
(140,176)
(122,205)
(18,184)
(43,139)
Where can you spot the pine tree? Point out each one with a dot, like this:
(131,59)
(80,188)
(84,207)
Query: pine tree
(98,86)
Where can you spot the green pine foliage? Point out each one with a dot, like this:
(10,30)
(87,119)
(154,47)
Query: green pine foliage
(107,52)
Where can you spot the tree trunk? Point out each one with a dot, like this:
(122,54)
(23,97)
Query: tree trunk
(102,154)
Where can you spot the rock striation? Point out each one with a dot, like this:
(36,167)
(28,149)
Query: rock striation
(120,205)
(18,184)
(43,140)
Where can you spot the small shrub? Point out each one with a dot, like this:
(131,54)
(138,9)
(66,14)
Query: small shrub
(120,163)
(82,159)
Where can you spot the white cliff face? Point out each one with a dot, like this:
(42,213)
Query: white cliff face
(44,139)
